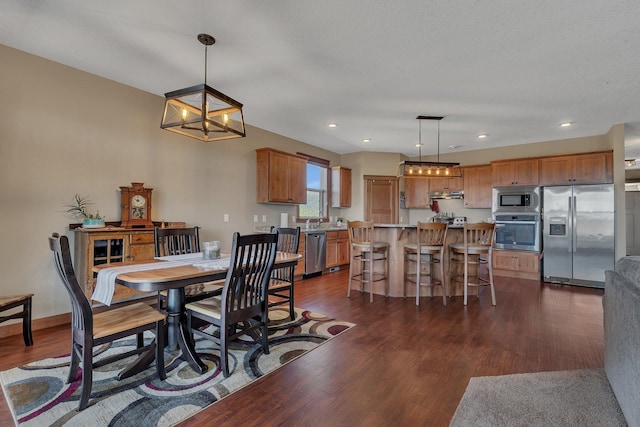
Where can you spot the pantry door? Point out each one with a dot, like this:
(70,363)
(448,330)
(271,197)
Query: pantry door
(381,199)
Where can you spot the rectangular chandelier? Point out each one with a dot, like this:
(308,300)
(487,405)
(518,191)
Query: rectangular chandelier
(203,113)
(409,168)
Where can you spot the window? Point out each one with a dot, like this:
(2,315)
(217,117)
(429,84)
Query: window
(317,194)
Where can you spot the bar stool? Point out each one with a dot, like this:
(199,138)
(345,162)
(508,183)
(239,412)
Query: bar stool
(429,242)
(476,251)
(367,252)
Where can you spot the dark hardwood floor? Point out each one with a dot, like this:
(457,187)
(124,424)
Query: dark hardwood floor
(401,364)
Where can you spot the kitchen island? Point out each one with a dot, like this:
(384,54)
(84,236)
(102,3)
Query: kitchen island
(397,235)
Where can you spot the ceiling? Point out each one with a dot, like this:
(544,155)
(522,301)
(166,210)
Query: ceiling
(513,70)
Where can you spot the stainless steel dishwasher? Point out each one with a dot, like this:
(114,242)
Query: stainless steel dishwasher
(315,259)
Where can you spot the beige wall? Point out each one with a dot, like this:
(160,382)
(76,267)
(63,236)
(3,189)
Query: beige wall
(66,131)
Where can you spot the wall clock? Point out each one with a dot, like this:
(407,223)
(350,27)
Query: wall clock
(135,206)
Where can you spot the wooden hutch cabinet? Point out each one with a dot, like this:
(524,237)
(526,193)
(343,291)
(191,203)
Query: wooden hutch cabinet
(340,187)
(107,245)
(516,172)
(477,186)
(281,177)
(590,168)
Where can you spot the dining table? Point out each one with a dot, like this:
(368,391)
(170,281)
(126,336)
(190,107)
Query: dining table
(172,274)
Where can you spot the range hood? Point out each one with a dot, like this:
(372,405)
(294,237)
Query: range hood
(440,195)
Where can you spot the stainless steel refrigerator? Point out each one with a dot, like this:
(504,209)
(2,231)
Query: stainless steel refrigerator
(578,234)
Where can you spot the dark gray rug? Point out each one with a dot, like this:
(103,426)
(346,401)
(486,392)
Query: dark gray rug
(562,398)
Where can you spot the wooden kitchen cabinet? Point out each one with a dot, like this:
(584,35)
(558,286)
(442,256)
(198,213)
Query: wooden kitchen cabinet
(337,248)
(590,168)
(524,265)
(515,172)
(416,192)
(340,187)
(107,245)
(477,186)
(281,177)
(445,184)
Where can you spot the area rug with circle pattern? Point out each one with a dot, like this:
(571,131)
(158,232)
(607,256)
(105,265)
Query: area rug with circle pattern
(38,395)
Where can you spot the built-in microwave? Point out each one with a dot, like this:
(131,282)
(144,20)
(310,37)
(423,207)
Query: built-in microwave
(525,199)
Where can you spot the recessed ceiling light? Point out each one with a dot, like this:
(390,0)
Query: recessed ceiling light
(565,124)
(482,136)
(454,146)
(366,140)
(418,145)
(333,125)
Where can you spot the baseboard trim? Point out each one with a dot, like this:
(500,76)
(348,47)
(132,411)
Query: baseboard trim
(36,324)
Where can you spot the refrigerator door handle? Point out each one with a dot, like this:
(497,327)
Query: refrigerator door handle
(574,224)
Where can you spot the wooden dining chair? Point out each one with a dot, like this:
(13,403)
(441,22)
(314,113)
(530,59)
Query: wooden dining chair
(281,285)
(89,330)
(242,308)
(181,241)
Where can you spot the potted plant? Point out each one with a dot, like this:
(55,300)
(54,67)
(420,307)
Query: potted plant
(79,209)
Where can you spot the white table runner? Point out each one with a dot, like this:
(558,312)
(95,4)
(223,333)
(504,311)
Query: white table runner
(106,280)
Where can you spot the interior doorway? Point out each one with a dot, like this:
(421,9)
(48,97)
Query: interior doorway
(381,199)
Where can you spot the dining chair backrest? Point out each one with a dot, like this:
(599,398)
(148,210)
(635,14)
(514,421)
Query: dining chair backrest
(288,241)
(360,232)
(82,316)
(479,233)
(431,233)
(176,241)
(244,294)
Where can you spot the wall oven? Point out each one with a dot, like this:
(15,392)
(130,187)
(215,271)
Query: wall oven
(518,232)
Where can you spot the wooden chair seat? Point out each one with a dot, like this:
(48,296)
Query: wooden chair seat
(13,301)
(211,307)
(112,322)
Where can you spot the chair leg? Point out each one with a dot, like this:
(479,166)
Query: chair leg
(292,311)
(466,276)
(160,369)
(224,349)
(74,363)
(371,275)
(26,323)
(351,261)
(418,278)
(87,376)
(443,283)
(493,289)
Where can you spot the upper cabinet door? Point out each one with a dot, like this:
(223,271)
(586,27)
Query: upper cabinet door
(515,172)
(593,168)
(340,187)
(477,186)
(416,192)
(590,168)
(281,177)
